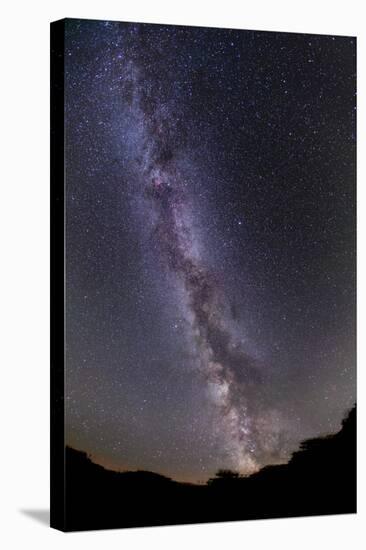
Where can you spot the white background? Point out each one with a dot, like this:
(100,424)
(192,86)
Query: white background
(24,257)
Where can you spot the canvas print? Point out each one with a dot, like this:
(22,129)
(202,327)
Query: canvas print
(204,284)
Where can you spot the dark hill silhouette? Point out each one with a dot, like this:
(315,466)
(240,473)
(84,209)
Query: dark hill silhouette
(319,479)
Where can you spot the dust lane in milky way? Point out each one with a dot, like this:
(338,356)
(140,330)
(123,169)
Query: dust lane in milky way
(210,272)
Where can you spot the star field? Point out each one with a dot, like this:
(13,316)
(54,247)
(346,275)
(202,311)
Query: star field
(210,244)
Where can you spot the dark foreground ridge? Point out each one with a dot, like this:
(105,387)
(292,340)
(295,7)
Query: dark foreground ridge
(319,479)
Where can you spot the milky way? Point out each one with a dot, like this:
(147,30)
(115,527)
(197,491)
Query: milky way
(210,244)
(234,381)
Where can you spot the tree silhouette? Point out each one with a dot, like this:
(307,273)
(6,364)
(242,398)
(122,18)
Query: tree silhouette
(319,479)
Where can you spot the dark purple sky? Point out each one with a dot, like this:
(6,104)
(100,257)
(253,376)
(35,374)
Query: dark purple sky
(210,244)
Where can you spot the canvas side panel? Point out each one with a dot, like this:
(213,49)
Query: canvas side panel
(57,518)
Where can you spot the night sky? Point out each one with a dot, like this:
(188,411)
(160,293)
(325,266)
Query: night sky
(210,244)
